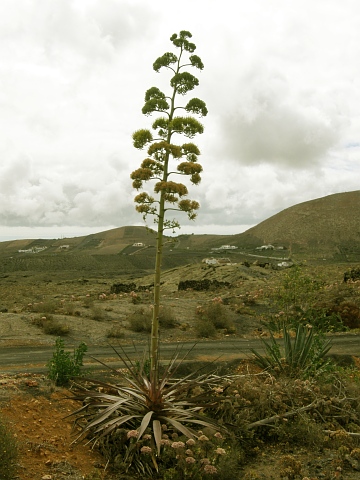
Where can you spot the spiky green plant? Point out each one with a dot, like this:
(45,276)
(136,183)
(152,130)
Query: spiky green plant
(302,355)
(139,404)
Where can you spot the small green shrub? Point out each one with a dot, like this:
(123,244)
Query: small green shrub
(48,306)
(217,314)
(211,318)
(302,431)
(323,321)
(63,366)
(52,327)
(8,452)
(39,321)
(204,329)
(98,314)
(135,298)
(167,318)
(319,319)
(88,302)
(140,321)
(115,332)
(70,308)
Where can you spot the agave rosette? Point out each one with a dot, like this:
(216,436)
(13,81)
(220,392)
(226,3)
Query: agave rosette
(137,403)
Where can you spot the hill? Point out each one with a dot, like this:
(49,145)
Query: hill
(327,226)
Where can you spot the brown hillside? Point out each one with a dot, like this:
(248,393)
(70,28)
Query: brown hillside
(328,226)
(329,223)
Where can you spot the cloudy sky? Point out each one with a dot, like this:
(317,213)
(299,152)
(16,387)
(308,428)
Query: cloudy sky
(281,82)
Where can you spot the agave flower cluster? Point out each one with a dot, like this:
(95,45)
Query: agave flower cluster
(182,457)
(145,408)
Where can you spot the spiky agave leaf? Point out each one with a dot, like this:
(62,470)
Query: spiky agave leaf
(140,404)
(301,354)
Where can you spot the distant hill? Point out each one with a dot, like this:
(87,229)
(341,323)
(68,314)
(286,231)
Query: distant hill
(326,227)
(108,242)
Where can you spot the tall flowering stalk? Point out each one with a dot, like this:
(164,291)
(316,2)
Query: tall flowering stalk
(168,194)
(147,402)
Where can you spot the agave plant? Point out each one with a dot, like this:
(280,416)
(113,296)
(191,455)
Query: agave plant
(141,405)
(302,355)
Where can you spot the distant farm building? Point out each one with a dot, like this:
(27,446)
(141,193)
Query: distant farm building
(64,247)
(33,250)
(216,261)
(210,261)
(225,247)
(139,244)
(266,247)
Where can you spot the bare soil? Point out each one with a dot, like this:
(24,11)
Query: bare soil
(36,414)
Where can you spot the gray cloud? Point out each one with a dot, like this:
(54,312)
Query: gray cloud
(281,89)
(269,123)
(94,197)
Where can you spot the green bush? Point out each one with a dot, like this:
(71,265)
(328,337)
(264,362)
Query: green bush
(213,317)
(167,318)
(297,293)
(204,329)
(70,308)
(39,321)
(115,332)
(48,306)
(63,366)
(140,321)
(52,327)
(319,319)
(98,314)
(88,302)
(8,452)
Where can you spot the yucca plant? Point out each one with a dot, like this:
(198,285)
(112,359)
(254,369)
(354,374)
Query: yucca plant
(302,355)
(139,405)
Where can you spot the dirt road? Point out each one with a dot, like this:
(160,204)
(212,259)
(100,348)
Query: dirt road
(34,359)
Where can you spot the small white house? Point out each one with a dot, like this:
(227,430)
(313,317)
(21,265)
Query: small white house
(266,247)
(210,261)
(139,244)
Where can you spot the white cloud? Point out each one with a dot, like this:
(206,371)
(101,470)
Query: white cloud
(281,81)
(269,123)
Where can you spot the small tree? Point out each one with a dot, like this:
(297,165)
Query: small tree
(168,194)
